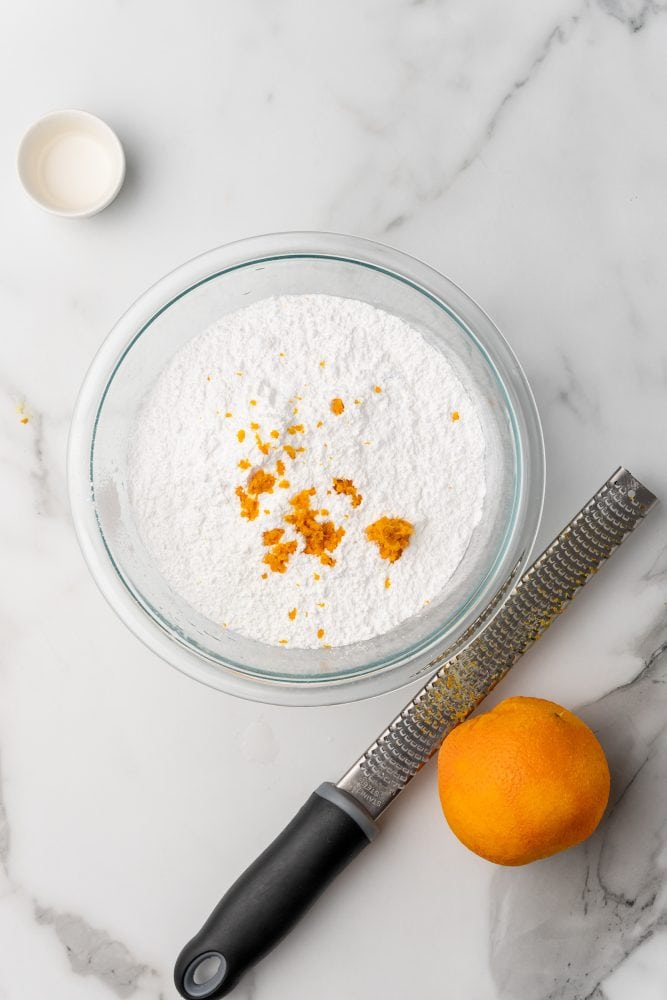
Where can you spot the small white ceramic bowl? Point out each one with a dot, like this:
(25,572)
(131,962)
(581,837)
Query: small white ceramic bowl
(71,163)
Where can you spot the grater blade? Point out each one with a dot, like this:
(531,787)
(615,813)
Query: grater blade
(462,681)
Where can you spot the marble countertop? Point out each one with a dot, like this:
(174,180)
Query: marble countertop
(521,149)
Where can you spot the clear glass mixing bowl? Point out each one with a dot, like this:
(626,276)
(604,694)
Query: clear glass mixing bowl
(185,303)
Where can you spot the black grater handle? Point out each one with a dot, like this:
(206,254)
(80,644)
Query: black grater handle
(268,899)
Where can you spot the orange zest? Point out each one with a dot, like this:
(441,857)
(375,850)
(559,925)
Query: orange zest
(320,537)
(392,536)
(347,487)
(263,446)
(278,556)
(261,482)
(249,504)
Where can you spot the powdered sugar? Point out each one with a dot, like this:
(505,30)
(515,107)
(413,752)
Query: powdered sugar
(413,450)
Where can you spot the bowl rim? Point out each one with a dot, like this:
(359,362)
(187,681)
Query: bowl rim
(299,690)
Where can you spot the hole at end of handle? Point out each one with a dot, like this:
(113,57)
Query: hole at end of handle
(204,974)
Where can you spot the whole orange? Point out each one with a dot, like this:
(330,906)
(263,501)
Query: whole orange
(522,781)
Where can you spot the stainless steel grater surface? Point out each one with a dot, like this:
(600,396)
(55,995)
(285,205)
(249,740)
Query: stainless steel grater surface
(463,681)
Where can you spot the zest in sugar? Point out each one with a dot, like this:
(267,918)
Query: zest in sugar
(261,392)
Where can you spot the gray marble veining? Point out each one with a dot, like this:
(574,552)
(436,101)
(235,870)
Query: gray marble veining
(561,927)
(93,952)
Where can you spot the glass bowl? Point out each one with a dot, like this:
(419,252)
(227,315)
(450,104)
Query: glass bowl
(185,303)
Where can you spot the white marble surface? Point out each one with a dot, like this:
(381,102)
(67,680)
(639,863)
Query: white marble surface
(521,149)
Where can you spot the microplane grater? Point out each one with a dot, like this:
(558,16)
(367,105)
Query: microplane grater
(337,821)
